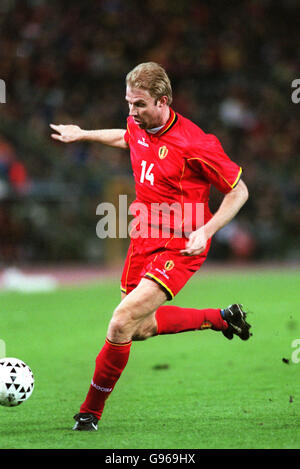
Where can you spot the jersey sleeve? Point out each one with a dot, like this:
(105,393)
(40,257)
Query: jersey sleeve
(126,136)
(128,132)
(209,159)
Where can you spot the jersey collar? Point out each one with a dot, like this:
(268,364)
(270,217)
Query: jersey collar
(168,125)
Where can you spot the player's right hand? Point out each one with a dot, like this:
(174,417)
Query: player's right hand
(67,133)
(196,243)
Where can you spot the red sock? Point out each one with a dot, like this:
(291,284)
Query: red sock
(110,363)
(173,319)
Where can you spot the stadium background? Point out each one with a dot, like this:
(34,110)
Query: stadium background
(231,66)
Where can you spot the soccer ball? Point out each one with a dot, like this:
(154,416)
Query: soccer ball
(16,382)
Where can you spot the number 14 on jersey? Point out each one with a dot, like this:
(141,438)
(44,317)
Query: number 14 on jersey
(146,173)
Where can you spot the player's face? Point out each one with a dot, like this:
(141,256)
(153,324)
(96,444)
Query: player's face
(146,111)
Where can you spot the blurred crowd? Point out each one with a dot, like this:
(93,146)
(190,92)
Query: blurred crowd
(231,65)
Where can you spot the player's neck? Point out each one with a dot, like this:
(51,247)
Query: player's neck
(164,119)
(165,116)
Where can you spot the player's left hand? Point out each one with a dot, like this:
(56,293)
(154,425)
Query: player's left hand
(196,243)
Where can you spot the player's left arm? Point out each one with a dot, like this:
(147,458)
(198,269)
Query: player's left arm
(230,206)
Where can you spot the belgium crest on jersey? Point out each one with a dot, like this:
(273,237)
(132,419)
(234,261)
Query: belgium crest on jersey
(169,265)
(162,152)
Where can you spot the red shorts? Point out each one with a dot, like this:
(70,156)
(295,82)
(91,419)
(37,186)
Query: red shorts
(162,262)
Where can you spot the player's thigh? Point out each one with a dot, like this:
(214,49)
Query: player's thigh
(142,301)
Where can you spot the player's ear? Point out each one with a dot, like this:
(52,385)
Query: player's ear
(162,101)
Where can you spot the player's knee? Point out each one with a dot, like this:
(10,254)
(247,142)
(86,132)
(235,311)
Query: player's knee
(121,323)
(118,326)
(127,317)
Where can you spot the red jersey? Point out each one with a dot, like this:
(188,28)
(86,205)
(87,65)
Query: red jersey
(177,165)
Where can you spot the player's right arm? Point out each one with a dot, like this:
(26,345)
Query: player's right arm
(73,133)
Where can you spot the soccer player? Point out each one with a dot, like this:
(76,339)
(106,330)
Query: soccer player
(173,162)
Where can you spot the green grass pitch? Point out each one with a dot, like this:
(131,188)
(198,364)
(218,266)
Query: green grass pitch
(187,391)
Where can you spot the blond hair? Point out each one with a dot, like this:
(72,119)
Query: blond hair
(152,77)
